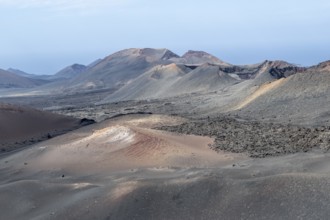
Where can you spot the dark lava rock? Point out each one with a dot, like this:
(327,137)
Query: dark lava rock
(86,121)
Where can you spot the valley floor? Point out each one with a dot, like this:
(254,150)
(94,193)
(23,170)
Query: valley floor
(188,137)
(123,168)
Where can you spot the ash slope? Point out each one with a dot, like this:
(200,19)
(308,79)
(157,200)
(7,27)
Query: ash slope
(300,98)
(81,175)
(239,81)
(22,126)
(173,80)
(119,68)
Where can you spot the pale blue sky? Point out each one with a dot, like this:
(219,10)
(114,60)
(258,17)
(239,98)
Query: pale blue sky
(43,36)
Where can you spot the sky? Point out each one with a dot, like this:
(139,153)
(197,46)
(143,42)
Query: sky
(44,36)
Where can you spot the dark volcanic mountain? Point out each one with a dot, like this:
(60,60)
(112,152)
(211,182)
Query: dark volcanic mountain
(296,95)
(121,67)
(21,73)
(272,70)
(137,74)
(155,83)
(12,80)
(41,78)
(198,58)
(71,71)
(173,80)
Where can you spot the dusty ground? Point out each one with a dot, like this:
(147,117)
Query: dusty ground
(93,167)
(22,126)
(124,169)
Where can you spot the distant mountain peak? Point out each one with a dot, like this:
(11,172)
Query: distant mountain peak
(324,66)
(196,53)
(200,57)
(13,80)
(277,64)
(272,70)
(78,68)
(19,72)
(162,54)
(169,54)
(13,70)
(149,54)
(71,71)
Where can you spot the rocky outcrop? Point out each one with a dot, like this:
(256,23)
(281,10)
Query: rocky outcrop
(256,138)
(322,67)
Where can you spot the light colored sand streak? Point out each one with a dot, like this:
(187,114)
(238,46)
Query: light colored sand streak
(263,89)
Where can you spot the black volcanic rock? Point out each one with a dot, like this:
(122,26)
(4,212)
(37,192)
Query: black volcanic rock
(86,121)
(281,69)
(273,70)
(276,64)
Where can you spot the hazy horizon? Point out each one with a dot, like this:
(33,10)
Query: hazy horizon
(43,36)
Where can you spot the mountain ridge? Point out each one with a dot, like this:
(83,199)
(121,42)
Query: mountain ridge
(123,67)
(71,71)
